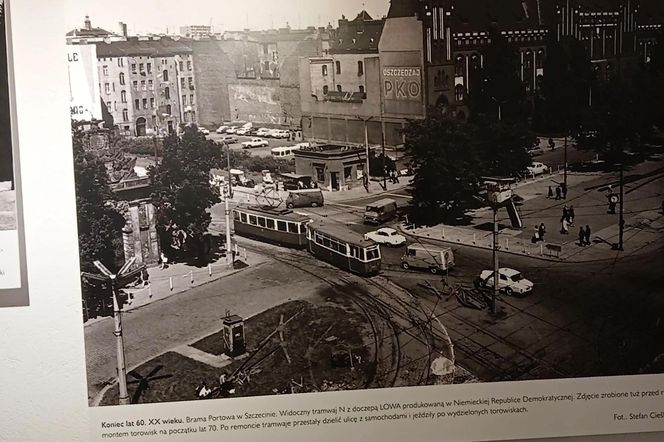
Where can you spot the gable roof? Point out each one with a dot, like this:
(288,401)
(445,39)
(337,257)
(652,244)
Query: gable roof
(163,47)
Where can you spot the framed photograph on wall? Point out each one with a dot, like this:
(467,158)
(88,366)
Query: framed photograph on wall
(13,278)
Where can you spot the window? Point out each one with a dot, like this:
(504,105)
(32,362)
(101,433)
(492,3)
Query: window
(188,65)
(167,93)
(372,254)
(133,68)
(108,105)
(269,223)
(184,99)
(243,217)
(236,215)
(191,82)
(360,68)
(142,84)
(140,68)
(347,172)
(458,92)
(115,105)
(149,67)
(261,221)
(361,89)
(122,78)
(107,88)
(125,115)
(337,65)
(123,96)
(150,84)
(320,174)
(338,88)
(135,85)
(191,99)
(281,226)
(145,103)
(120,61)
(293,228)
(105,69)
(137,104)
(252,220)
(154,122)
(458,66)
(182,82)
(181,66)
(325,90)
(165,74)
(168,109)
(113,86)
(323,70)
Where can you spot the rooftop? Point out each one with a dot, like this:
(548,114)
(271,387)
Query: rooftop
(360,35)
(340,232)
(156,47)
(330,150)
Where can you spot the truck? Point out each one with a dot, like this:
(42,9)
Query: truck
(435,259)
(380,211)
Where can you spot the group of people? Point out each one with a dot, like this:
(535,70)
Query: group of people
(560,192)
(567,219)
(393,175)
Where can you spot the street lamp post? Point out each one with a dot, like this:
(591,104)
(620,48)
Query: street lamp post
(366,144)
(229,195)
(117,281)
(494,248)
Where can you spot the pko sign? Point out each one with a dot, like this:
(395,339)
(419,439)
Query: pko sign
(402,83)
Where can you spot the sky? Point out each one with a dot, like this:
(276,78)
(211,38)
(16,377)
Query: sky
(158,16)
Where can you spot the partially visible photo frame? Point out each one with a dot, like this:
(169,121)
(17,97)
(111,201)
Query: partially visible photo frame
(13,273)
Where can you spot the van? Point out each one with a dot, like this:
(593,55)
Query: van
(380,211)
(434,259)
(305,198)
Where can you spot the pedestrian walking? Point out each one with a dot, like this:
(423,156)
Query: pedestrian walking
(541,230)
(570,215)
(164,261)
(566,212)
(552,145)
(563,187)
(145,277)
(558,192)
(587,235)
(365,182)
(550,194)
(535,237)
(582,237)
(396,177)
(564,226)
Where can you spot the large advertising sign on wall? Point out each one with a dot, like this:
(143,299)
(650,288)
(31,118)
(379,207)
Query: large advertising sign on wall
(402,83)
(84,100)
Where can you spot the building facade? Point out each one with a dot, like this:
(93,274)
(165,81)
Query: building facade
(147,84)
(332,167)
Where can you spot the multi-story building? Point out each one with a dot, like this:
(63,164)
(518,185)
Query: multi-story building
(147,84)
(89,34)
(196,32)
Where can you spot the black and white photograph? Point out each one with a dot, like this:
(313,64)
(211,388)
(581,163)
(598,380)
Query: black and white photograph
(276,198)
(12,278)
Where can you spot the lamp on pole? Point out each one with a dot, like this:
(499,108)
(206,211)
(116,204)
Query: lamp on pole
(117,281)
(227,196)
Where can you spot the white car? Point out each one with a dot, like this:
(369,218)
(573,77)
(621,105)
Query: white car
(255,142)
(229,139)
(510,282)
(263,132)
(387,236)
(203,130)
(242,131)
(537,168)
(282,134)
(231,130)
(221,129)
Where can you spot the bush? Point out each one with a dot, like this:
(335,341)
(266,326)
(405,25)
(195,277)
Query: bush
(138,146)
(241,159)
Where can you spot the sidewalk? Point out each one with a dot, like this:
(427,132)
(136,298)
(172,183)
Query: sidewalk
(180,277)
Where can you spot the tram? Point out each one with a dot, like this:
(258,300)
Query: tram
(278,226)
(343,248)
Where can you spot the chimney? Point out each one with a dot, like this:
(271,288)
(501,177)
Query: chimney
(88,24)
(123,29)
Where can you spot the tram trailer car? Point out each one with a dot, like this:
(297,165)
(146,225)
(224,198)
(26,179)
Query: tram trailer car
(343,248)
(277,226)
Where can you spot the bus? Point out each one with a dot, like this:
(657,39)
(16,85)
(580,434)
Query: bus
(343,248)
(267,224)
(285,152)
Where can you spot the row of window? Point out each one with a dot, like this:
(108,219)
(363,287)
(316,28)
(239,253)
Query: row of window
(343,248)
(337,67)
(269,223)
(326,89)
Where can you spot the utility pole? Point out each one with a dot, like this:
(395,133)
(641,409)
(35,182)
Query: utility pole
(621,221)
(116,281)
(496,277)
(366,144)
(227,212)
(384,170)
(565,163)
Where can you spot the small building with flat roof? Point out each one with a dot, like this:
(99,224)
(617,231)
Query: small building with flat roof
(332,167)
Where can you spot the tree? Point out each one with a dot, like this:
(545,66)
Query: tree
(378,164)
(503,147)
(565,86)
(182,193)
(99,222)
(495,87)
(443,157)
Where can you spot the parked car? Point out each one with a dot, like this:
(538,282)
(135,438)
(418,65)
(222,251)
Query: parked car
(274,133)
(510,281)
(203,130)
(537,168)
(263,132)
(231,130)
(255,142)
(428,257)
(243,131)
(284,134)
(229,139)
(221,129)
(387,236)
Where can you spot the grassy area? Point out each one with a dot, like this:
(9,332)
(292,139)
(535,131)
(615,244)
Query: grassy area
(312,334)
